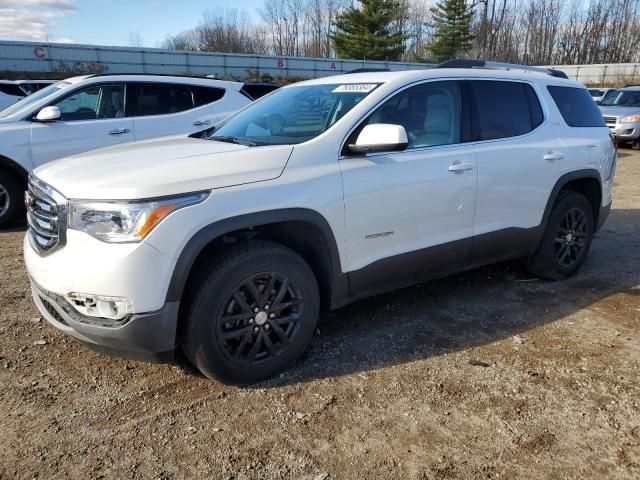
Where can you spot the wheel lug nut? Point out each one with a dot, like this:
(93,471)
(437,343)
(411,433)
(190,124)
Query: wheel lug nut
(267,327)
(272,315)
(251,320)
(266,307)
(256,329)
(256,310)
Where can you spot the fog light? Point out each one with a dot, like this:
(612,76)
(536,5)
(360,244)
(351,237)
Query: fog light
(100,306)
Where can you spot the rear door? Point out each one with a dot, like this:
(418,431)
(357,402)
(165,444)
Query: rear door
(92,117)
(520,158)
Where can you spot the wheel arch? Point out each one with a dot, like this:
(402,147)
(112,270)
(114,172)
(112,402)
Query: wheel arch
(587,181)
(305,231)
(12,166)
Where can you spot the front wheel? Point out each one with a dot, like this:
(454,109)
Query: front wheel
(11,198)
(567,238)
(254,313)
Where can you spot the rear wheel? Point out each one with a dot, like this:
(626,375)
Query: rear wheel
(253,314)
(11,198)
(567,238)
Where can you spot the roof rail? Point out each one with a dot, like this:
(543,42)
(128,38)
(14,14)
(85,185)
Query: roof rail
(462,63)
(109,74)
(630,85)
(369,70)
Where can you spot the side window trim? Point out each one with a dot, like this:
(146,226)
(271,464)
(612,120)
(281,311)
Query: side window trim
(536,91)
(464,119)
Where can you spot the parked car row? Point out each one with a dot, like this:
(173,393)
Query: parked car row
(95,111)
(226,244)
(13,90)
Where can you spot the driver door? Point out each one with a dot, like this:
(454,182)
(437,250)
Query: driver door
(409,214)
(92,117)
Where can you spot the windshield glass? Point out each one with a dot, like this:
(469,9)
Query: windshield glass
(293,115)
(31,99)
(621,98)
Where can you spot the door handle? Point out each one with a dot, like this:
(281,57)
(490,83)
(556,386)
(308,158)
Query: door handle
(553,156)
(119,131)
(198,123)
(460,167)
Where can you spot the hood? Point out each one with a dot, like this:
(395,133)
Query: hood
(168,166)
(619,111)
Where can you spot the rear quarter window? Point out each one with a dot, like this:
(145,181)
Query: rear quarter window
(576,106)
(206,95)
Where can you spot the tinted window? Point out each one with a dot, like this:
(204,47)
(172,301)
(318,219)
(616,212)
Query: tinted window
(11,89)
(257,90)
(206,95)
(504,109)
(576,106)
(596,93)
(145,99)
(430,113)
(93,103)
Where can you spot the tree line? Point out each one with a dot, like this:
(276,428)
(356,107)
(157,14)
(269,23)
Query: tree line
(540,32)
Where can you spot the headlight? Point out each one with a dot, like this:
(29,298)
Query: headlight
(630,119)
(124,222)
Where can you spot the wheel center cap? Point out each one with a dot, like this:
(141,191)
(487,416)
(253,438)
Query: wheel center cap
(261,317)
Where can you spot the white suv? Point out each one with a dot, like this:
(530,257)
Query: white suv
(89,112)
(228,246)
(13,90)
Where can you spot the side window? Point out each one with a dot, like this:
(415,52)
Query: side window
(11,89)
(430,113)
(97,102)
(206,95)
(147,99)
(576,106)
(503,109)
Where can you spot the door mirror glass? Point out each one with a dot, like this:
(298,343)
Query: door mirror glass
(48,114)
(380,137)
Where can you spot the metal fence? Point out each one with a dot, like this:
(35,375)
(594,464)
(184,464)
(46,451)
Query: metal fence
(613,74)
(50,57)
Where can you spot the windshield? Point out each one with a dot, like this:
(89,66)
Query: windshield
(31,99)
(621,98)
(292,115)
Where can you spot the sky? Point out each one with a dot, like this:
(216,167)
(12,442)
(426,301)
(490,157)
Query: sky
(106,22)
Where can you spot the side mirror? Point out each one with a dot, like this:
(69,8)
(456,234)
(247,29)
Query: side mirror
(48,114)
(380,137)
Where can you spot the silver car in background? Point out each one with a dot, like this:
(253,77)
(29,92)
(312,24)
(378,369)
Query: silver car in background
(621,111)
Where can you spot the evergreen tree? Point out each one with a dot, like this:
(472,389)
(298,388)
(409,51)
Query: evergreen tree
(371,32)
(452,22)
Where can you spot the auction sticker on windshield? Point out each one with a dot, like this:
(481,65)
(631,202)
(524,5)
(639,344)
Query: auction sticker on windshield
(355,88)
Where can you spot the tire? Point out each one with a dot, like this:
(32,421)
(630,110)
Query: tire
(224,336)
(566,240)
(11,198)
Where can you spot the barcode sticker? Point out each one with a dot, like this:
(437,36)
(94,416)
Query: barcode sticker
(355,88)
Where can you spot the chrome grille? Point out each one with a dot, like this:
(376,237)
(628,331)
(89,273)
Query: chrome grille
(46,216)
(611,120)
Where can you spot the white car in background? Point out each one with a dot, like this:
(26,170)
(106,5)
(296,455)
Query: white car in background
(598,93)
(13,90)
(89,112)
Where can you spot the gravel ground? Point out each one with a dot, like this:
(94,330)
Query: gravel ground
(489,374)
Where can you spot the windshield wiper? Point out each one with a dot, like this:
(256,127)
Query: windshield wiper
(230,139)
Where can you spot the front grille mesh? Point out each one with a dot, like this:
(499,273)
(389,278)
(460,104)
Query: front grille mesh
(46,218)
(611,120)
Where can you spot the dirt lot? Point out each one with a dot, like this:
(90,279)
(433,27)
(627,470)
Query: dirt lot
(489,374)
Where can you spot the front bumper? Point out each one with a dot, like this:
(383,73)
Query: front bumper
(147,336)
(625,132)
